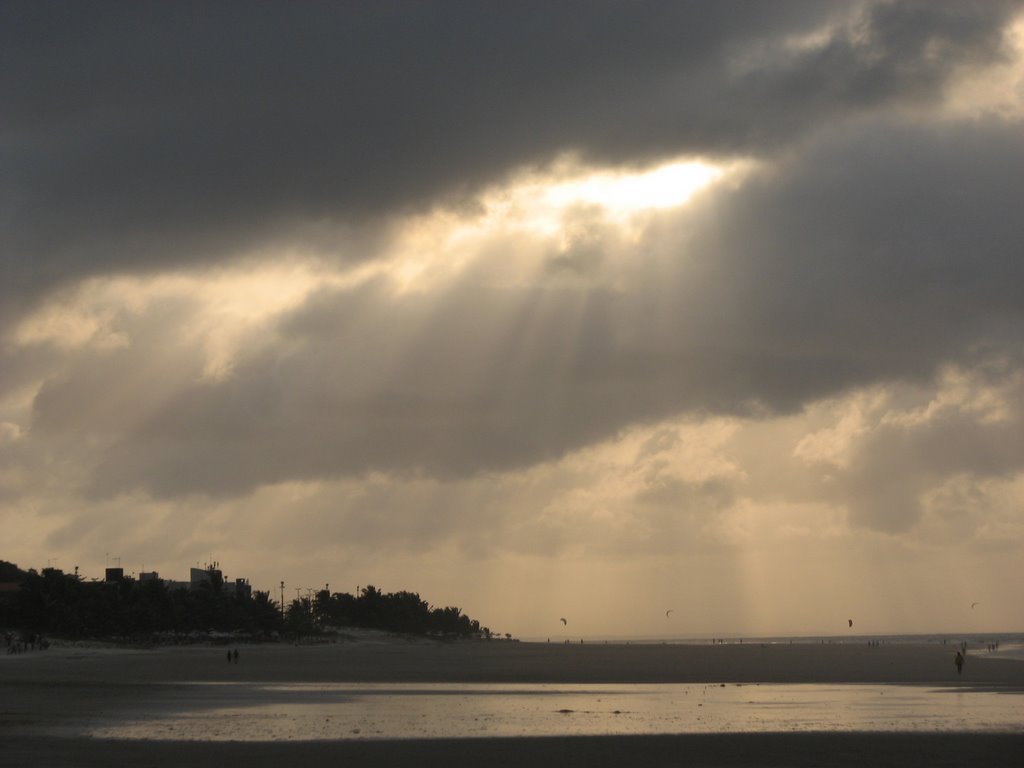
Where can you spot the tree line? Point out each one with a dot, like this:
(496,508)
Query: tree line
(59,604)
(372,609)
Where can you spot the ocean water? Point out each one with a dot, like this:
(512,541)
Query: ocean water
(264,712)
(1008,641)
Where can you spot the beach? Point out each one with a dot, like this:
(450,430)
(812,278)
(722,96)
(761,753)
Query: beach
(49,697)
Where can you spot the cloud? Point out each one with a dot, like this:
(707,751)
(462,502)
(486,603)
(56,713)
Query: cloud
(156,137)
(691,513)
(880,252)
(303,287)
(906,468)
(858,262)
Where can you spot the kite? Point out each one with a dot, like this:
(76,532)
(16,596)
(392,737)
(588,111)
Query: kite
(668,612)
(564,621)
(851,622)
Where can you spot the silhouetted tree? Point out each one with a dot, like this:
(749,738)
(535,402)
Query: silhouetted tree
(299,619)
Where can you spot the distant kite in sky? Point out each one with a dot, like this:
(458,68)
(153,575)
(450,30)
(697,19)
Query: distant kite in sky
(851,622)
(668,612)
(974,604)
(564,621)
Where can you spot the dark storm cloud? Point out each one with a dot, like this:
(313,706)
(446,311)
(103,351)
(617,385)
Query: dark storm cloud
(882,252)
(878,255)
(148,136)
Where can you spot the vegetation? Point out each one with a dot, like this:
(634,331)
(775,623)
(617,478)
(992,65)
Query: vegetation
(396,612)
(55,603)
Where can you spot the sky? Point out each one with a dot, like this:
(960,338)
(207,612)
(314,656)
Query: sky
(591,310)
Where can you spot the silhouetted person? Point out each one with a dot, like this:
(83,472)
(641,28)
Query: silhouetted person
(234,655)
(229,657)
(959,661)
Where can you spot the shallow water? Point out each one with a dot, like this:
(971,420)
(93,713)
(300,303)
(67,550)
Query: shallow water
(260,712)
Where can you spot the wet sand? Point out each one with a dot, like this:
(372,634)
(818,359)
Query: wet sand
(706,750)
(40,693)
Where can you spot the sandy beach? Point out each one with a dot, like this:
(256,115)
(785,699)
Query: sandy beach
(41,693)
(394,659)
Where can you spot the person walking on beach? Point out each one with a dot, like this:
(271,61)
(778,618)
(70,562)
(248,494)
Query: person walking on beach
(959,661)
(234,655)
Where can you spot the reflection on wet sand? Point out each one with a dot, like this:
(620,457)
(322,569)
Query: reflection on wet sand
(325,711)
